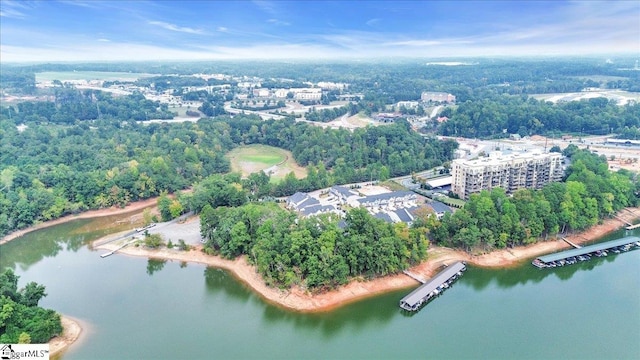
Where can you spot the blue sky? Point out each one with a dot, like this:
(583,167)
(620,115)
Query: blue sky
(87,30)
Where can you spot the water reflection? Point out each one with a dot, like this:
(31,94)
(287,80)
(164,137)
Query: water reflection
(155,265)
(218,280)
(479,278)
(353,317)
(48,242)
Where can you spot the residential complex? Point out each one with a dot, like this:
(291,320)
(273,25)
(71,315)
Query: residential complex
(437,97)
(394,206)
(510,172)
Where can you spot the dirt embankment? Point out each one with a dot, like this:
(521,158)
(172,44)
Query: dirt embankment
(71,332)
(136,206)
(300,300)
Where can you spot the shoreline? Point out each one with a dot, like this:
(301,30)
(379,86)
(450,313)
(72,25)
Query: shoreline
(72,331)
(135,206)
(298,299)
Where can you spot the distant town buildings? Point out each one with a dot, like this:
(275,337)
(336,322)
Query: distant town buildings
(430,96)
(510,172)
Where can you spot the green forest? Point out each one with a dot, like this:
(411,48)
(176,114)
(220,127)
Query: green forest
(22,321)
(314,252)
(50,170)
(501,115)
(491,219)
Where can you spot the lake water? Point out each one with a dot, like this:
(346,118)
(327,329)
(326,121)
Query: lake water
(143,309)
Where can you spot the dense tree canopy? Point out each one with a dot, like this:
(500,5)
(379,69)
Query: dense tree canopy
(312,252)
(503,115)
(21,320)
(47,171)
(494,220)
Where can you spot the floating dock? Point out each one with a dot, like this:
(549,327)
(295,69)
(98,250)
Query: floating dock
(634,226)
(572,256)
(432,288)
(119,248)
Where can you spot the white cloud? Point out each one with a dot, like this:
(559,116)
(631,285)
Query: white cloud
(222,29)
(13,9)
(104,40)
(173,27)
(373,22)
(85,4)
(278,22)
(267,6)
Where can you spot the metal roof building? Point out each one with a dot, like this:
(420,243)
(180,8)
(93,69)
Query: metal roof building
(419,296)
(588,249)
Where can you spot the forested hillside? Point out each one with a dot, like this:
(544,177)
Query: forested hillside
(494,220)
(51,170)
(503,115)
(21,319)
(312,252)
(71,106)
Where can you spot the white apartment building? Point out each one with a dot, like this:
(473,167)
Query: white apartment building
(437,96)
(510,172)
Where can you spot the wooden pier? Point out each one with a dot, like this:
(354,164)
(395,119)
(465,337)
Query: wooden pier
(623,220)
(414,276)
(572,244)
(119,248)
(432,288)
(634,226)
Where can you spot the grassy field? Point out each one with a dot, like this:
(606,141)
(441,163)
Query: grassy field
(88,75)
(253,158)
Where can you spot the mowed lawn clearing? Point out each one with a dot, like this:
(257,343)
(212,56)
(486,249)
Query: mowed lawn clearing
(253,158)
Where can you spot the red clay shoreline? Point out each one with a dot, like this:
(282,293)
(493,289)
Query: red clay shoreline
(298,299)
(135,206)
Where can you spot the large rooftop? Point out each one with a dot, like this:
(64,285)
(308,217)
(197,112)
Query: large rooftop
(420,293)
(588,249)
(498,158)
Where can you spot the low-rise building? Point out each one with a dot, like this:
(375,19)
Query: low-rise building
(439,209)
(395,199)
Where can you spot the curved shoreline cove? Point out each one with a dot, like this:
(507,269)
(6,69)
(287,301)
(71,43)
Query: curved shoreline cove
(136,306)
(298,299)
(72,330)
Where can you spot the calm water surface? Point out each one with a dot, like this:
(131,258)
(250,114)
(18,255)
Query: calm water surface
(143,309)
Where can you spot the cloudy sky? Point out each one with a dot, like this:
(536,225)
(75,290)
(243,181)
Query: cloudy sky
(84,30)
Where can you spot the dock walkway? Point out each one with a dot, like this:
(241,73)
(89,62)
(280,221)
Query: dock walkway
(572,244)
(414,276)
(584,253)
(119,248)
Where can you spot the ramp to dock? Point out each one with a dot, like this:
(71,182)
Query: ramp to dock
(119,248)
(414,276)
(572,244)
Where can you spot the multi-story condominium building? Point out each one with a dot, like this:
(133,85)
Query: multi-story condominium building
(437,97)
(510,172)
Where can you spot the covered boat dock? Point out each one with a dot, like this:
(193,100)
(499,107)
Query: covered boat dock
(433,287)
(569,257)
